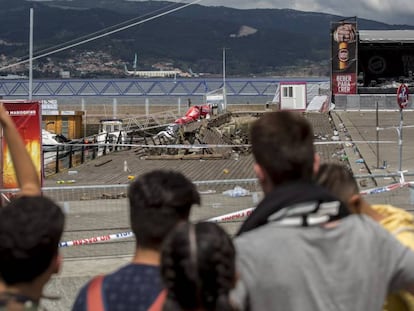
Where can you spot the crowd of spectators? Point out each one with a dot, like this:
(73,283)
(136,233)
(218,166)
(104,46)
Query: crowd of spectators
(313,243)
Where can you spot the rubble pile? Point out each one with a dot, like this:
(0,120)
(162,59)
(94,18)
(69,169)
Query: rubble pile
(218,134)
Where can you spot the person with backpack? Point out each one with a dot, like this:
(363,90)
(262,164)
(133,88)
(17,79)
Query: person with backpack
(158,201)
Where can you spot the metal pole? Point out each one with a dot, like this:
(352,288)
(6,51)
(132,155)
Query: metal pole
(377,123)
(400,140)
(84,116)
(146,107)
(224,80)
(70,156)
(57,160)
(31,56)
(114,108)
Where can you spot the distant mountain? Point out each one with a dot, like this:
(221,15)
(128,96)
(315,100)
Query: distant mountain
(258,40)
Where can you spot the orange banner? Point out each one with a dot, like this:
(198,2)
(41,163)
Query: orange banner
(27,117)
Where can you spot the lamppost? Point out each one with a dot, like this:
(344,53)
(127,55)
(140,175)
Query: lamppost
(31,55)
(224,80)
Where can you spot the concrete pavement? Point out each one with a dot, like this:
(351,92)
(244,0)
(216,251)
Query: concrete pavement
(361,128)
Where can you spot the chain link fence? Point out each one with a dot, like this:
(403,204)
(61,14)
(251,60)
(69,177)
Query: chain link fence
(97,217)
(367,102)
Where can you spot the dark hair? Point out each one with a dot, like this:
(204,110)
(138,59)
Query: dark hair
(338,179)
(158,201)
(30,230)
(282,144)
(198,268)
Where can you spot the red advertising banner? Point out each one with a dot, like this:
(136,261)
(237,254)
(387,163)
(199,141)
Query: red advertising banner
(344,58)
(344,83)
(27,117)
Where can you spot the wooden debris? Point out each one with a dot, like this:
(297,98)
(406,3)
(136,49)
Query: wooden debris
(102,163)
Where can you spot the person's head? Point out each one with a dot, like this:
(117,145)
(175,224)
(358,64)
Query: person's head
(30,230)
(198,268)
(282,145)
(158,201)
(340,181)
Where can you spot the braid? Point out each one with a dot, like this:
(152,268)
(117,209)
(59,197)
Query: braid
(223,276)
(168,274)
(199,276)
(176,273)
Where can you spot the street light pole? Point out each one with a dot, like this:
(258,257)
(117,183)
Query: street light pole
(224,80)
(31,55)
(400,140)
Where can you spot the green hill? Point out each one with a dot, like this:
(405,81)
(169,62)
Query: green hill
(258,41)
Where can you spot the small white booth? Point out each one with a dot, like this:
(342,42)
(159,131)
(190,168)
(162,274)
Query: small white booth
(292,95)
(216,100)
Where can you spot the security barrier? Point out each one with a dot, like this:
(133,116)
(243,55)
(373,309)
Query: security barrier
(97,217)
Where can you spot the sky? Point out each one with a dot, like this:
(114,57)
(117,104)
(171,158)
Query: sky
(388,11)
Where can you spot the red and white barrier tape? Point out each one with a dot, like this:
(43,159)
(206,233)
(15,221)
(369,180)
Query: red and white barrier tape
(123,235)
(232,216)
(226,217)
(98,239)
(385,188)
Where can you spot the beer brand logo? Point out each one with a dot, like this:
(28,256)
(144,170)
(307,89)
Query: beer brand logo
(377,64)
(343,55)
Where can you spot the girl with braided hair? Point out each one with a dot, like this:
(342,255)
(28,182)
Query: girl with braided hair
(198,268)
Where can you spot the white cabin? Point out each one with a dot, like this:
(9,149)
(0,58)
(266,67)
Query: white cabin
(293,96)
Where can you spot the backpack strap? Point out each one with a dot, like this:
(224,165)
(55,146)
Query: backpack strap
(158,302)
(94,295)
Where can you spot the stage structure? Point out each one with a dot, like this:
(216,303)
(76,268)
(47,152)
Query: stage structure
(366,62)
(385,60)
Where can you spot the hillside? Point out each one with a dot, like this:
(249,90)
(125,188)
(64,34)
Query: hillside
(258,41)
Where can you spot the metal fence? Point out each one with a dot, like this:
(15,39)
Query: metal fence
(368,102)
(65,156)
(97,217)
